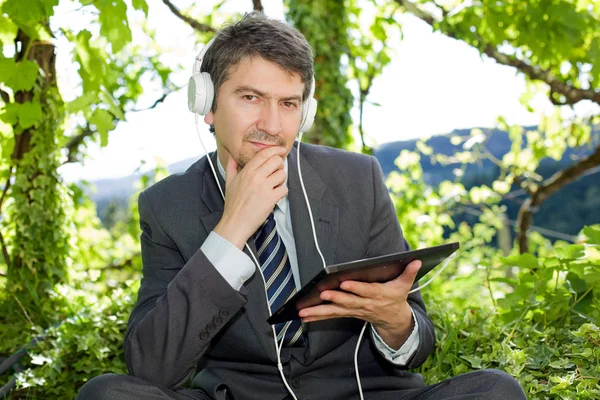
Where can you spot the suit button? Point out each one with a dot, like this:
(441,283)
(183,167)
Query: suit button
(210,327)
(217,321)
(296,383)
(203,335)
(223,313)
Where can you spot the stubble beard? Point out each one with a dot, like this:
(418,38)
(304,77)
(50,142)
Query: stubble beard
(248,152)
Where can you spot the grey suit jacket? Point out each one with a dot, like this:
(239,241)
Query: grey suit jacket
(189,319)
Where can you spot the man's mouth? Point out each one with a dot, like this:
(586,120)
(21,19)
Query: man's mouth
(263,145)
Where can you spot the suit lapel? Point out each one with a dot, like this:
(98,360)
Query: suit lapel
(325,214)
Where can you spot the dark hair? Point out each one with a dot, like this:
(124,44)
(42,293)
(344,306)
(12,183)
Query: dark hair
(257,35)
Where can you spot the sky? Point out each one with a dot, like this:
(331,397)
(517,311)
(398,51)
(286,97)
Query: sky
(433,85)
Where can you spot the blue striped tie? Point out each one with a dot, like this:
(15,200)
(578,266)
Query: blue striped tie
(276,269)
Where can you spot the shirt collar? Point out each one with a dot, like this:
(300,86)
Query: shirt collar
(283,203)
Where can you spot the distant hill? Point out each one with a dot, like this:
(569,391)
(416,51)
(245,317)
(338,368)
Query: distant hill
(581,196)
(498,143)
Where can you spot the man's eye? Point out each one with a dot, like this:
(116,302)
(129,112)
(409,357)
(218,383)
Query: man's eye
(249,97)
(290,104)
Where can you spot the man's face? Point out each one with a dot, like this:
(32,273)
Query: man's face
(259,105)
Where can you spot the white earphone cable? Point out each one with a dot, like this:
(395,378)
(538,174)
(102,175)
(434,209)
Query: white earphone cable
(446,262)
(362,332)
(312,221)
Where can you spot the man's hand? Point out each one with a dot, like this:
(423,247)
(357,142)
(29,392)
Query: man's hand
(382,304)
(251,194)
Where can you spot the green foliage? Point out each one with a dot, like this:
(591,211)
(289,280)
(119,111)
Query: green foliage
(37,129)
(83,346)
(327,22)
(57,260)
(535,316)
(92,307)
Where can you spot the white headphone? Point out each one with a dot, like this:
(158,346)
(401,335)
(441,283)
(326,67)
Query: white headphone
(201,93)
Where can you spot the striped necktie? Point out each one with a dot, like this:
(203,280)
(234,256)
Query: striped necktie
(276,269)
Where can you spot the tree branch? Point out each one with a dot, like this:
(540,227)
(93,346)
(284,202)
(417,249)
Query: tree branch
(200,27)
(547,189)
(572,94)
(4,250)
(257,5)
(6,186)
(157,102)
(72,145)
(161,99)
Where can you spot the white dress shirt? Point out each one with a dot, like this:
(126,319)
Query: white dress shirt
(237,267)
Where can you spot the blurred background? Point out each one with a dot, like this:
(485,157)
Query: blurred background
(484,115)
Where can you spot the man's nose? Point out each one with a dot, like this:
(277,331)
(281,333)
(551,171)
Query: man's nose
(270,120)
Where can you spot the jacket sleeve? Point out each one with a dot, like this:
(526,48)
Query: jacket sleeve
(386,237)
(181,306)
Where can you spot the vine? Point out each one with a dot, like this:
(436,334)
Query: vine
(325,25)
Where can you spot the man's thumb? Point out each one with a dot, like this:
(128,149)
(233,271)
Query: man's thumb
(410,272)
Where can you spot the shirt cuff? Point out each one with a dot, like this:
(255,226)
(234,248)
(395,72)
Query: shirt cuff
(401,356)
(232,263)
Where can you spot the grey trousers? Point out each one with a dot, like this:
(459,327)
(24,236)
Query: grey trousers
(487,384)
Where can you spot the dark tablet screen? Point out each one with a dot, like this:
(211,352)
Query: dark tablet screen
(377,269)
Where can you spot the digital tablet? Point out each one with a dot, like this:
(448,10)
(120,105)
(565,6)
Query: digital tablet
(376,269)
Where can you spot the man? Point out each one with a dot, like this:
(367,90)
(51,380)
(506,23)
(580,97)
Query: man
(202,305)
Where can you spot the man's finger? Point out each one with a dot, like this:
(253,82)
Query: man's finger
(343,299)
(362,289)
(263,156)
(326,310)
(231,170)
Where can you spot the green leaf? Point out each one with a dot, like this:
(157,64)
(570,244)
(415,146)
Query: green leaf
(576,283)
(562,363)
(26,74)
(8,30)
(378,32)
(539,356)
(18,76)
(8,69)
(29,114)
(108,99)
(570,252)
(522,260)
(475,361)
(113,23)
(104,123)
(82,102)
(593,235)
(24,11)
(8,147)
(10,114)
(141,5)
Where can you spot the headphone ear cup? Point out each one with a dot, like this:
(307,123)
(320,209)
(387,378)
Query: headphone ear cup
(308,117)
(201,93)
